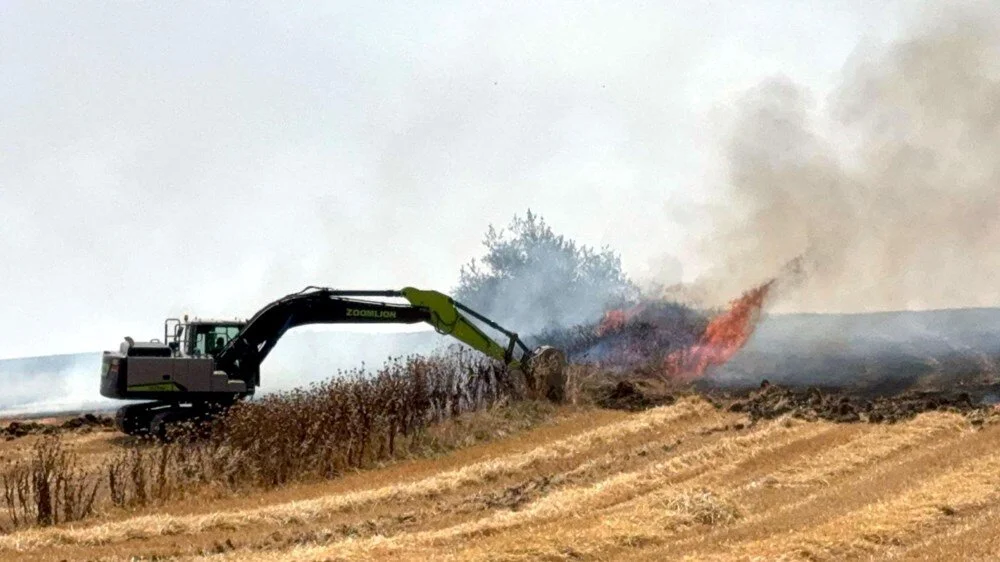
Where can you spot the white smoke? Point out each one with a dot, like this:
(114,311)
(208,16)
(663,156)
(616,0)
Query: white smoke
(890,190)
(52,384)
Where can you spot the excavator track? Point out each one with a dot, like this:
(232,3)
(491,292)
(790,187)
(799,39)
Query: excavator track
(157,419)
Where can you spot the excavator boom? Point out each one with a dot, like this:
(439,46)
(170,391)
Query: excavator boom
(318,305)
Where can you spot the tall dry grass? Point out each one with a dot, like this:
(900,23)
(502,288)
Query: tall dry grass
(352,421)
(49,486)
(355,420)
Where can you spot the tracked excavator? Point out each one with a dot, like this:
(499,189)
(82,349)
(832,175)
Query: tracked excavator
(201,367)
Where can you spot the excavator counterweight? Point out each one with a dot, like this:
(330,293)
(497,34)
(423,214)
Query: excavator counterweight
(203,366)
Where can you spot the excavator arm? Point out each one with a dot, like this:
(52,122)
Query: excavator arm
(447,319)
(242,356)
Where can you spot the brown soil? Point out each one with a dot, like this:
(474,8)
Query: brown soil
(78,424)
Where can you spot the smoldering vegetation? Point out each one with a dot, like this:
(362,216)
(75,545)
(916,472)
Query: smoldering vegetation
(644,334)
(887,189)
(771,401)
(877,354)
(863,355)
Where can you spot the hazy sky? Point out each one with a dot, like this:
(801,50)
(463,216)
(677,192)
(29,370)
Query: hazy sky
(161,158)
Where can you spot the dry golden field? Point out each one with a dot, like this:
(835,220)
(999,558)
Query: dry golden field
(684,481)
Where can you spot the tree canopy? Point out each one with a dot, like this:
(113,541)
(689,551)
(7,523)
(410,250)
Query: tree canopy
(533,280)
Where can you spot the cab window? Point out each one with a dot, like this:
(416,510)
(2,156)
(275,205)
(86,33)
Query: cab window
(209,340)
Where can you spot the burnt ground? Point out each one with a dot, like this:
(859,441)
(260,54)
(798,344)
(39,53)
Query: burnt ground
(79,424)
(771,401)
(844,404)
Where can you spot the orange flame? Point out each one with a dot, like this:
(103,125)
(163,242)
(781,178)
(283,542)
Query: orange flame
(725,334)
(613,321)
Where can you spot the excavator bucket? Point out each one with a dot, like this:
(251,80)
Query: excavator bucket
(546,377)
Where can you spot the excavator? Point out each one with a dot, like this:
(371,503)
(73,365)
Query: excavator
(203,366)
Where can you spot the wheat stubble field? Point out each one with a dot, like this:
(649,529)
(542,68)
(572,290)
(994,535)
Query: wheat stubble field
(682,481)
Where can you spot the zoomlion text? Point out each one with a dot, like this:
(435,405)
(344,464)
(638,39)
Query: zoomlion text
(388,314)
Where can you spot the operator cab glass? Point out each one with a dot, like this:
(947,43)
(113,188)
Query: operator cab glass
(209,339)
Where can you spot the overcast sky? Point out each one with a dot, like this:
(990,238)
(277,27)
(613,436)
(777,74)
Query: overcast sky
(162,158)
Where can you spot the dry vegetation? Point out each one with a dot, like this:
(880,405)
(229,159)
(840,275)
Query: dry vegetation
(447,467)
(354,421)
(49,487)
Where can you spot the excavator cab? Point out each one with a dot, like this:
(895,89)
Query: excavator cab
(199,338)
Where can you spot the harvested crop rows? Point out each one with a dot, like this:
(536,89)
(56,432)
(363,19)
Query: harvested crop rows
(685,480)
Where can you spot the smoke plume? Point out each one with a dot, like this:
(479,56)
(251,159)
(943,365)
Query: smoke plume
(888,191)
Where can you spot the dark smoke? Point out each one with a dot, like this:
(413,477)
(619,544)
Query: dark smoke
(880,353)
(890,190)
